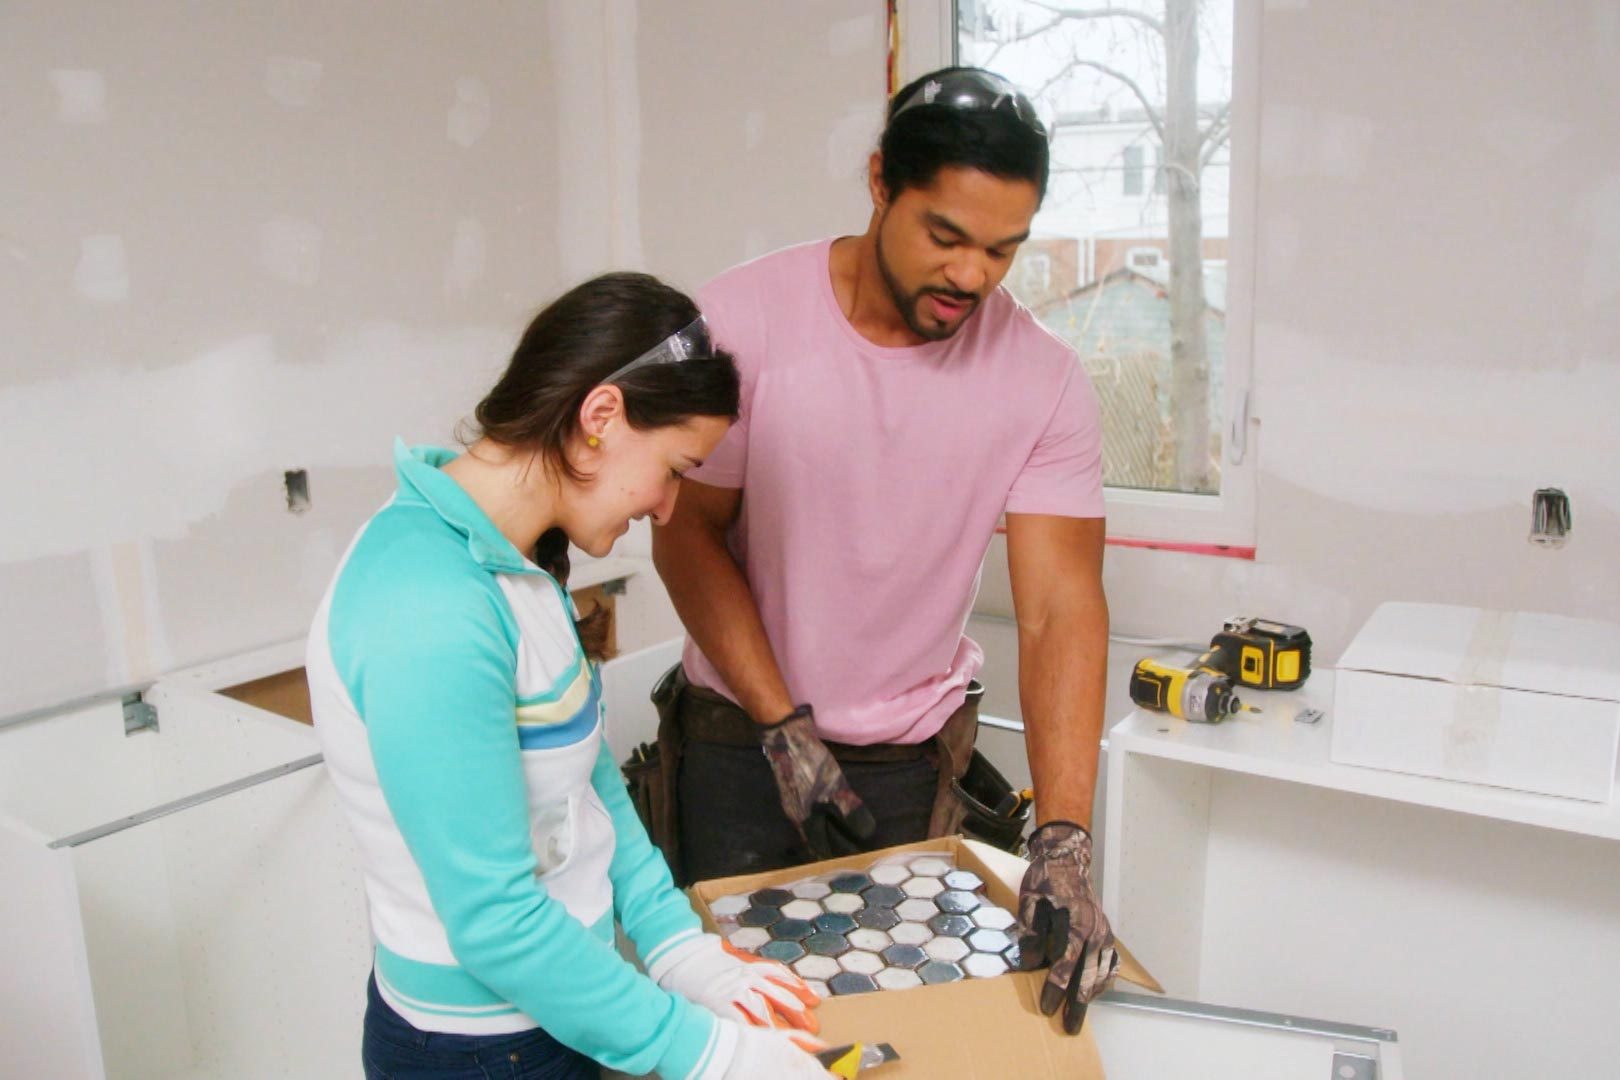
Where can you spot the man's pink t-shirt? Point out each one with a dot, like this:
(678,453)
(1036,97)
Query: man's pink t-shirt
(873,479)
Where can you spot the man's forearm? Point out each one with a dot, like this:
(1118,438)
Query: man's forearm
(712,597)
(1062,682)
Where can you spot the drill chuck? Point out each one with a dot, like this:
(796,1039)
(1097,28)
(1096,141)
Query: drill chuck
(1195,694)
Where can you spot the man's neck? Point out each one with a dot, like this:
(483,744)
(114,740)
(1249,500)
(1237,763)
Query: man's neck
(862,294)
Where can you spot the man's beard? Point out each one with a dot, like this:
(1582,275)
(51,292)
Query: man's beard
(908,304)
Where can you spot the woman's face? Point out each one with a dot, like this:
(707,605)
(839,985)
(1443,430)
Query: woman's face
(635,474)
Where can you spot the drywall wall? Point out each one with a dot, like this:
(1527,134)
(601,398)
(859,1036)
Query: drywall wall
(237,240)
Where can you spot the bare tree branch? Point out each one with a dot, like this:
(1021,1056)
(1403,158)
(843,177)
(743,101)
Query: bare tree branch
(1216,135)
(1081,14)
(1130,83)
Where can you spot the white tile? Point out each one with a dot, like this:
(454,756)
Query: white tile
(801,909)
(729,905)
(930,866)
(843,903)
(911,933)
(870,940)
(924,887)
(749,938)
(816,967)
(917,910)
(810,890)
(993,918)
(984,966)
(897,979)
(862,963)
(820,988)
(946,948)
(891,874)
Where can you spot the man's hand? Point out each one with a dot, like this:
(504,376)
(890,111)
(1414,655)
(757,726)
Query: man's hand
(815,796)
(1061,922)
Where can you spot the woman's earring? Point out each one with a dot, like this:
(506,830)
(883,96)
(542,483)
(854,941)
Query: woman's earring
(593,442)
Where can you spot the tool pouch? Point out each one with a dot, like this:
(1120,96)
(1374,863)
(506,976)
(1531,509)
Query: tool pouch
(974,799)
(651,771)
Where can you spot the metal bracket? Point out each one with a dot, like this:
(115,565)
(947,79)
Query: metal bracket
(139,714)
(1348,1066)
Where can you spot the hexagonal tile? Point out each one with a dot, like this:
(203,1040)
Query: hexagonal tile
(749,938)
(862,963)
(870,940)
(811,890)
(904,956)
(818,988)
(849,982)
(993,918)
(984,966)
(953,902)
(917,910)
(938,971)
(727,906)
(883,896)
(966,880)
(877,918)
(1014,957)
(911,933)
(925,887)
(989,941)
(783,952)
(889,873)
(930,866)
(834,922)
(824,944)
(801,909)
(817,967)
(850,882)
(898,979)
(951,925)
(793,929)
(770,898)
(759,916)
(844,903)
(946,948)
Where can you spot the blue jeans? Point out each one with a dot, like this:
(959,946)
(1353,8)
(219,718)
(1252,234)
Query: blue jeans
(394,1050)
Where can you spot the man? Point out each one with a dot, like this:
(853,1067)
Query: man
(896,403)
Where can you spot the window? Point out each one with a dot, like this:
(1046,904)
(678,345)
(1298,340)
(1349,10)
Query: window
(1133,171)
(1167,352)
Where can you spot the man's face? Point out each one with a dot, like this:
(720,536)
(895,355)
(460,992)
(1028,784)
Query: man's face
(944,247)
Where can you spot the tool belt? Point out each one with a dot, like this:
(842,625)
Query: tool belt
(973,798)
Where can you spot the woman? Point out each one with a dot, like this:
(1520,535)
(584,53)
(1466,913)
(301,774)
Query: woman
(461,721)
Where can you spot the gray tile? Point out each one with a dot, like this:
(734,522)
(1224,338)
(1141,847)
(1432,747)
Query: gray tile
(951,925)
(883,896)
(824,944)
(783,952)
(770,898)
(759,915)
(935,972)
(904,956)
(834,922)
(957,902)
(792,929)
(848,982)
(877,918)
(850,883)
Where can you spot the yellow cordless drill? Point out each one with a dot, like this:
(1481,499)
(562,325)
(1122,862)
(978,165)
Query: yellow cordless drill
(1259,653)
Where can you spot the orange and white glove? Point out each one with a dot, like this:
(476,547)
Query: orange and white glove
(736,985)
(751,1053)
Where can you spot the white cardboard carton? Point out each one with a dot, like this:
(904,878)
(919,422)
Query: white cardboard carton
(1510,699)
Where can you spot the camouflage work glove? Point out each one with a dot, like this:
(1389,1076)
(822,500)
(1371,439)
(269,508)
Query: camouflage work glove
(815,796)
(1061,922)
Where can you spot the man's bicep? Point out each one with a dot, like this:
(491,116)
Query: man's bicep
(701,505)
(1052,558)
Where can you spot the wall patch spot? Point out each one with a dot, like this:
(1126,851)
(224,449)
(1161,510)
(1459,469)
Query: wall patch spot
(290,250)
(467,253)
(102,273)
(469,115)
(754,128)
(292,80)
(81,96)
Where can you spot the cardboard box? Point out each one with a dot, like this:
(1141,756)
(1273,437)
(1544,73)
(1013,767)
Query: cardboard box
(977,1029)
(1510,699)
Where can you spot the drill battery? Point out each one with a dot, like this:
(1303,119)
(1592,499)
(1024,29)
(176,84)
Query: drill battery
(1260,653)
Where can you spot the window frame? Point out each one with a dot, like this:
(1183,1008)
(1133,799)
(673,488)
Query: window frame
(925,39)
